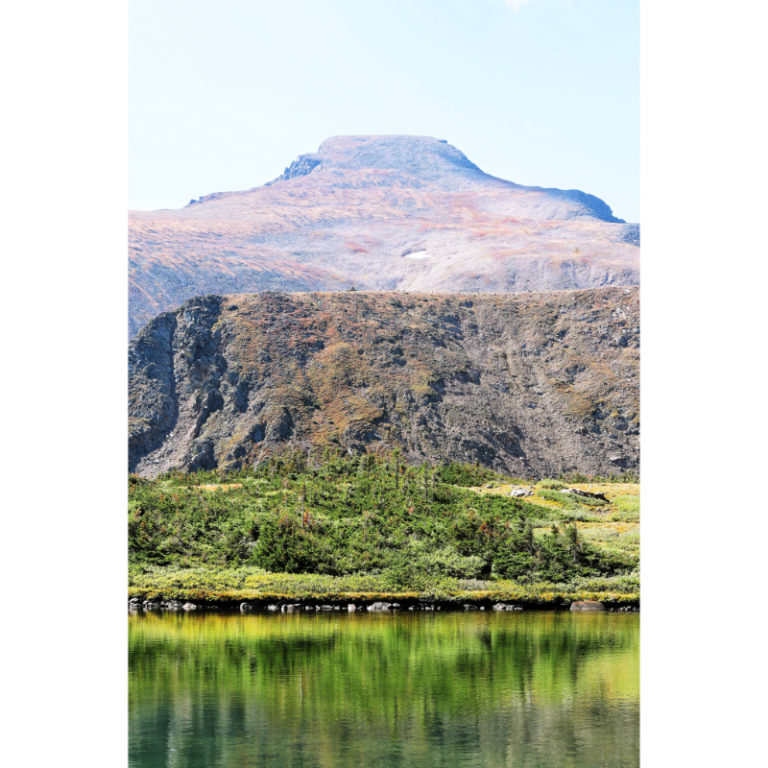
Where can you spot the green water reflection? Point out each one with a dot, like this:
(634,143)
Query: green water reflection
(521,690)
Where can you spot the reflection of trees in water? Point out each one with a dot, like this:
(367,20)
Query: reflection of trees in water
(406,690)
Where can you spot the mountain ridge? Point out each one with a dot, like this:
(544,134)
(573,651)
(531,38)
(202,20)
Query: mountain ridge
(356,212)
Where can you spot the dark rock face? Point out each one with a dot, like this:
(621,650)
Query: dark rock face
(303,165)
(153,408)
(532,385)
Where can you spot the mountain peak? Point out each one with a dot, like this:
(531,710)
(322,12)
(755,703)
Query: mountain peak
(425,157)
(414,154)
(420,159)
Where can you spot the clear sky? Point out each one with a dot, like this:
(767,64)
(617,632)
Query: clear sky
(223,95)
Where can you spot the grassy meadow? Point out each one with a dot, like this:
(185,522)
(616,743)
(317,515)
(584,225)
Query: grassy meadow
(337,528)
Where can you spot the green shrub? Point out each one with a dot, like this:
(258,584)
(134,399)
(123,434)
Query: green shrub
(555,485)
(572,500)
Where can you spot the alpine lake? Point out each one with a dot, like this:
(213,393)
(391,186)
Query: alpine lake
(530,689)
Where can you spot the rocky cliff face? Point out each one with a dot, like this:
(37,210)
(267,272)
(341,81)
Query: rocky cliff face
(383,213)
(532,384)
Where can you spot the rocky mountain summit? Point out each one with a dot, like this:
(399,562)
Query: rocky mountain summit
(393,213)
(530,384)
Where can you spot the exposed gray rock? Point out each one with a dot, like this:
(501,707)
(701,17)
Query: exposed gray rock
(587,605)
(379,606)
(506,607)
(303,165)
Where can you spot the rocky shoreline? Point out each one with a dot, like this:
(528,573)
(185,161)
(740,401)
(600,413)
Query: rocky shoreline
(136,605)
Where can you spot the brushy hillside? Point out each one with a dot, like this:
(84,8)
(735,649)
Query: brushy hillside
(383,213)
(532,385)
(374,525)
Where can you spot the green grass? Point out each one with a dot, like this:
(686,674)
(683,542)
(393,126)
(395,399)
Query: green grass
(248,583)
(626,508)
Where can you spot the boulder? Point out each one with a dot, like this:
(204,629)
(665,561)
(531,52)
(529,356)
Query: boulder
(587,605)
(245,607)
(519,492)
(379,606)
(189,607)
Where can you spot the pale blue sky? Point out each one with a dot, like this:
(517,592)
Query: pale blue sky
(223,95)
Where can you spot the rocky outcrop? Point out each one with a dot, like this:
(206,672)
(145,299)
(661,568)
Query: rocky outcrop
(303,165)
(381,213)
(587,605)
(532,385)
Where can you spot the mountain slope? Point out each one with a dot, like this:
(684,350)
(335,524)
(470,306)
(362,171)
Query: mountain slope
(530,384)
(380,212)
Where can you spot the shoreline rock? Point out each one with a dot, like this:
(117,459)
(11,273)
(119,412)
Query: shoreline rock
(136,605)
(587,605)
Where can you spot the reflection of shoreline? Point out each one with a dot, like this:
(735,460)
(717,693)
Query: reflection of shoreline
(546,660)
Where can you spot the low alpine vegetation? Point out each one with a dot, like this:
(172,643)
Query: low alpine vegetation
(376,519)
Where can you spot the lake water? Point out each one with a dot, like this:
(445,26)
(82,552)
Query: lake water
(519,690)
